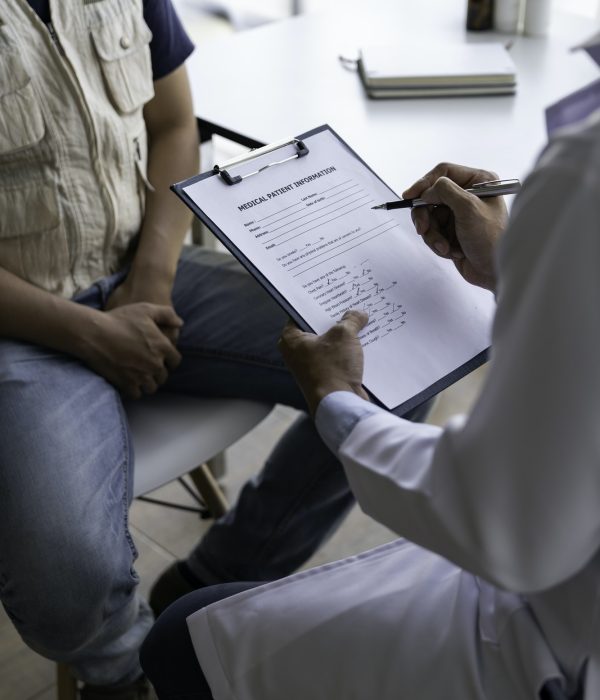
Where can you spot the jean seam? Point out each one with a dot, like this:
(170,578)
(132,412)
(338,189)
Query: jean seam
(286,518)
(280,527)
(197,352)
(125,469)
(225,575)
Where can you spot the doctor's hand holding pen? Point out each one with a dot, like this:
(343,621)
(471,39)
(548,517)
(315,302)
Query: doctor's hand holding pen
(467,228)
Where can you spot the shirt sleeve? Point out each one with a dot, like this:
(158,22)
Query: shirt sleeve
(511,493)
(170,45)
(338,413)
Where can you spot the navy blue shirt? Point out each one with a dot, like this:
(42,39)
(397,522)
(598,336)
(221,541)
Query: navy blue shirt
(170,45)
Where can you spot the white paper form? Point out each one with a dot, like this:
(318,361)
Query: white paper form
(308,226)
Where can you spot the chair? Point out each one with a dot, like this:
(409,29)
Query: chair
(174,435)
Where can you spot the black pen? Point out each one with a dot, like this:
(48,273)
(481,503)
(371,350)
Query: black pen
(492,188)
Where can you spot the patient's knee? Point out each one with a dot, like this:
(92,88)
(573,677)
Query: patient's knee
(62,607)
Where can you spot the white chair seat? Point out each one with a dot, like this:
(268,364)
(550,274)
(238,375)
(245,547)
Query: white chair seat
(173,434)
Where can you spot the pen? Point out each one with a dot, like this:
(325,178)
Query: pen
(492,188)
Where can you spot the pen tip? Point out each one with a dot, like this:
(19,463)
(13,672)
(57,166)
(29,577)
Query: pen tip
(379,206)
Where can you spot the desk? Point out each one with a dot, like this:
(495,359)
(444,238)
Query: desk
(282,79)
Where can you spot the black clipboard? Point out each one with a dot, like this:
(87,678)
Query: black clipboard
(227,173)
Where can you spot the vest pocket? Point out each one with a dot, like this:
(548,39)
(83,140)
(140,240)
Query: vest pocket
(21,121)
(123,49)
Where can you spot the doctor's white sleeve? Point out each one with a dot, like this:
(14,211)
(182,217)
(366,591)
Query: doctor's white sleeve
(512,492)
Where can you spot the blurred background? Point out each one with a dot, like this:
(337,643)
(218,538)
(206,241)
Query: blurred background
(232,15)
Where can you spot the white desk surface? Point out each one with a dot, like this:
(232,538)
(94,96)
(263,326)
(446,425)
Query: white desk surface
(279,80)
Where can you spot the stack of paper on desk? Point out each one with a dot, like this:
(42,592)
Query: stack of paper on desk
(437,70)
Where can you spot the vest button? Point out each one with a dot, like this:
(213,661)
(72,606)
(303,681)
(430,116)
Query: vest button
(125,42)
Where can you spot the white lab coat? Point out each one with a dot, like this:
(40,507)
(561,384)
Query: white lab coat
(507,499)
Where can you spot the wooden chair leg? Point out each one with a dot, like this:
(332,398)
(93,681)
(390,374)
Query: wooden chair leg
(217,466)
(210,491)
(66,684)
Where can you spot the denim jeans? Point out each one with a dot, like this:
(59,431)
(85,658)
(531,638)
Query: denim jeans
(67,576)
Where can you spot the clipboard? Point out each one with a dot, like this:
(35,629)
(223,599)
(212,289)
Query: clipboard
(270,158)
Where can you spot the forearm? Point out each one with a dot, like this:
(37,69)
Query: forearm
(173,156)
(33,315)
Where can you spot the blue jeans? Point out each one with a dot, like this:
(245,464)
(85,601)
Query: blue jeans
(67,575)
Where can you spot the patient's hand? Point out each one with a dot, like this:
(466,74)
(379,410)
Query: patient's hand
(139,288)
(129,348)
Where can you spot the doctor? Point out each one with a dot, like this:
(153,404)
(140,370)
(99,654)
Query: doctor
(494,591)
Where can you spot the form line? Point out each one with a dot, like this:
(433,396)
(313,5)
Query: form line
(317,195)
(337,254)
(323,223)
(356,184)
(315,211)
(339,217)
(277,212)
(299,203)
(333,188)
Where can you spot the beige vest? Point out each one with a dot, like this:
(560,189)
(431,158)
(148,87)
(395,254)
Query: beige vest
(73,144)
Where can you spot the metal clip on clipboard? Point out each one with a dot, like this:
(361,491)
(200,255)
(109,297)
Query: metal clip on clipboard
(223,170)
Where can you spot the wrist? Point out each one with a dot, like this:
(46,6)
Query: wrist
(144,274)
(85,333)
(150,283)
(318,393)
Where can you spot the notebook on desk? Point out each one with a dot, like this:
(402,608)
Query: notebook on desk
(436,70)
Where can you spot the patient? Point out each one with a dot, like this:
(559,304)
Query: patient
(99,301)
